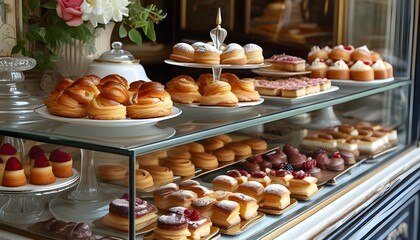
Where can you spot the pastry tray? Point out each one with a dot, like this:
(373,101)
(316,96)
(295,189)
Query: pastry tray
(243,225)
(99,227)
(214,234)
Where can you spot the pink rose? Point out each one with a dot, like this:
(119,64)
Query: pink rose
(69,11)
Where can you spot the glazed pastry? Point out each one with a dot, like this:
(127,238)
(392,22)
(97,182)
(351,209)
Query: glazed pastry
(321,158)
(111,172)
(224,154)
(280,176)
(276,196)
(302,184)
(240,175)
(182,52)
(251,167)
(206,161)
(309,166)
(248,205)
(218,93)
(151,101)
(212,144)
(181,167)
(62,163)
(253,53)
(195,147)
(187,184)
(204,206)
(318,69)
(59,88)
(276,158)
(240,149)
(379,70)
(337,162)
(253,189)
(13,175)
(265,165)
(172,226)
(198,226)
(261,177)
(297,160)
(7,151)
(341,52)
(161,194)
(143,179)
(316,53)
(183,91)
(256,144)
(361,54)
(290,150)
(233,53)
(201,191)
(226,214)
(339,71)
(220,195)
(41,173)
(112,79)
(67,230)
(160,174)
(204,80)
(118,216)
(206,54)
(361,72)
(83,90)
(225,183)
(245,91)
(182,198)
(348,157)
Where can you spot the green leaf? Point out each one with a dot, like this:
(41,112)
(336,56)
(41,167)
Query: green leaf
(122,32)
(34,4)
(135,36)
(49,5)
(149,30)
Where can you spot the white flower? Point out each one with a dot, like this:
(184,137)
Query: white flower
(103,11)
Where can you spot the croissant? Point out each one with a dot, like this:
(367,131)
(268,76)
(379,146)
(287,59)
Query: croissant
(113,78)
(93,78)
(245,91)
(218,93)
(57,91)
(150,101)
(83,90)
(204,80)
(183,90)
(116,91)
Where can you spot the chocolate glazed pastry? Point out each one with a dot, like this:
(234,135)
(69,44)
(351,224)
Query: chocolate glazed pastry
(68,230)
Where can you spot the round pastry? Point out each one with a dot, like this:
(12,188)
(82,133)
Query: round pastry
(379,70)
(245,91)
(181,167)
(339,70)
(230,78)
(264,165)
(361,72)
(206,161)
(389,69)
(206,54)
(316,53)
(309,166)
(253,189)
(348,157)
(212,144)
(204,80)
(198,226)
(13,175)
(253,53)
(321,158)
(220,195)
(375,56)
(337,162)
(33,152)
(201,191)
(182,198)
(290,150)
(261,177)
(160,195)
(7,151)
(225,183)
(224,154)
(256,144)
(187,184)
(341,53)
(62,163)
(111,172)
(181,151)
(241,177)
(224,137)
(143,179)
(297,160)
(195,147)
(161,175)
(147,160)
(170,225)
(276,158)
(233,53)
(59,88)
(111,79)
(250,167)
(41,173)
(183,91)
(318,69)
(182,52)
(280,176)
(218,93)
(240,149)
(204,205)
(361,54)
(175,79)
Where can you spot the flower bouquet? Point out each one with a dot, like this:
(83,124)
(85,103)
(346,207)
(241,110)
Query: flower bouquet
(53,23)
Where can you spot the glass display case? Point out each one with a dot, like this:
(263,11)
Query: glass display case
(278,121)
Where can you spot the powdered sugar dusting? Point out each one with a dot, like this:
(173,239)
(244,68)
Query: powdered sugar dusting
(227,204)
(224,177)
(202,202)
(184,47)
(276,188)
(250,47)
(233,47)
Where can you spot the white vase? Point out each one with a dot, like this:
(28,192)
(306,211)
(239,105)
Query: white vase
(75,59)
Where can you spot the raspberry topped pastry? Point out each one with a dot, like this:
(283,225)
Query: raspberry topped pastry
(302,184)
(198,226)
(261,177)
(7,150)
(41,173)
(310,167)
(13,175)
(62,163)
(280,176)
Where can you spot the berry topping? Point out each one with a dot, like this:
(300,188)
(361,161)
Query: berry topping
(193,215)
(308,165)
(243,172)
(257,159)
(259,174)
(367,63)
(35,150)
(59,156)
(13,164)
(286,166)
(300,174)
(7,149)
(280,173)
(336,155)
(348,48)
(41,161)
(126,197)
(319,151)
(233,173)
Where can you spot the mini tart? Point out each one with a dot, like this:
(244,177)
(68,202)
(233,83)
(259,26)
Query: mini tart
(206,161)
(379,70)
(253,189)
(41,173)
(339,70)
(161,175)
(62,164)
(318,69)
(224,154)
(256,144)
(341,52)
(182,52)
(316,53)
(389,69)
(7,151)
(361,54)
(276,196)
(111,172)
(143,179)
(361,72)
(204,205)
(13,175)
(253,53)
(225,183)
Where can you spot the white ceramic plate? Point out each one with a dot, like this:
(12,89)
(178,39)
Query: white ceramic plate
(240,105)
(31,188)
(227,66)
(284,99)
(42,111)
(359,83)
(269,72)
